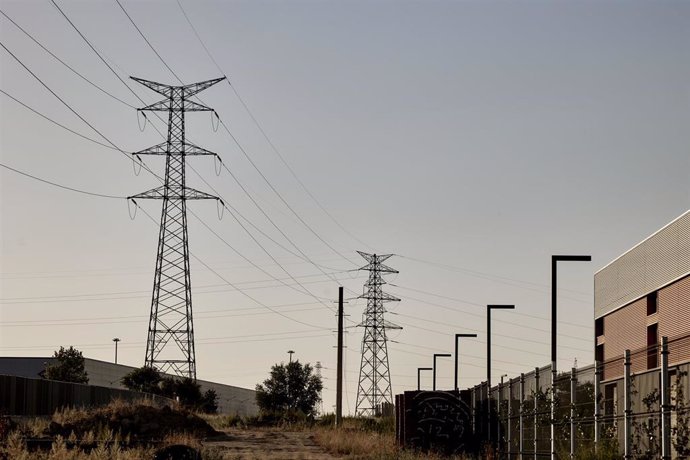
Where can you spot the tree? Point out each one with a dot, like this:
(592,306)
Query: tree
(145,379)
(291,388)
(186,389)
(209,402)
(68,366)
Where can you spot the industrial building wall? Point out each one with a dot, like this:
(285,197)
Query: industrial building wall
(625,329)
(674,313)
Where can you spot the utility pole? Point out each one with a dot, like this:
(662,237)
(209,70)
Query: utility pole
(339,377)
(171,321)
(374,387)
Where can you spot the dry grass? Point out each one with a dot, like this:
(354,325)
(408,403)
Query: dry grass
(14,447)
(98,443)
(365,445)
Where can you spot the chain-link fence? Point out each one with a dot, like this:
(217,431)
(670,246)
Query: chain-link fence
(637,405)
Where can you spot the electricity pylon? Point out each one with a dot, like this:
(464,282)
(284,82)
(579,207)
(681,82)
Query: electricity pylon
(374,387)
(171,322)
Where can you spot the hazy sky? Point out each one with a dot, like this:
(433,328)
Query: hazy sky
(479,136)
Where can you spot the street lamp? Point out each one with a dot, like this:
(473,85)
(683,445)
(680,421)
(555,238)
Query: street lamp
(554,280)
(116,340)
(419,375)
(457,336)
(439,355)
(488,359)
(291,352)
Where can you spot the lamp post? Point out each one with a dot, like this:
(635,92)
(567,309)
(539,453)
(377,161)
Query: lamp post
(291,352)
(116,340)
(439,355)
(419,375)
(554,280)
(457,336)
(488,359)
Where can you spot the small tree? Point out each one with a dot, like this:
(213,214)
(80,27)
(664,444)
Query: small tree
(291,388)
(145,379)
(186,389)
(68,366)
(209,402)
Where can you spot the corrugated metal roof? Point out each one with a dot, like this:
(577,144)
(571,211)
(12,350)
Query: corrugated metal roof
(657,261)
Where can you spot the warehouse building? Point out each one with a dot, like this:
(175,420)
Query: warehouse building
(231,399)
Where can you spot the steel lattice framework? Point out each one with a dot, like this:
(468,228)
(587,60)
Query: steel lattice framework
(374,387)
(170,344)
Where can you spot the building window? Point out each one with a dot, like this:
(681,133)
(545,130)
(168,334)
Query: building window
(599,353)
(652,346)
(652,303)
(599,327)
(610,399)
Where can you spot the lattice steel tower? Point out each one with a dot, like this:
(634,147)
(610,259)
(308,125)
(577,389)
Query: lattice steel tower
(170,344)
(374,387)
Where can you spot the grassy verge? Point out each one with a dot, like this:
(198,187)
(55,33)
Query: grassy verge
(366,439)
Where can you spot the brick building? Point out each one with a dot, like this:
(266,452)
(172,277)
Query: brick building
(644,295)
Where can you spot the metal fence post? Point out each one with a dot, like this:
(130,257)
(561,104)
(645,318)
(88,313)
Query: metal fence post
(554,377)
(627,428)
(510,414)
(473,405)
(573,391)
(536,411)
(665,402)
(597,404)
(522,404)
(498,416)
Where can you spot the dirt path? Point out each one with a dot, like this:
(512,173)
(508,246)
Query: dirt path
(273,444)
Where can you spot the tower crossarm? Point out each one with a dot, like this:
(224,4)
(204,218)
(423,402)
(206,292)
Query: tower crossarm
(174,193)
(175,149)
(185,106)
(189,90)
(381,296)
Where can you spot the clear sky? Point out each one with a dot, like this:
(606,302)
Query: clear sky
(473,139)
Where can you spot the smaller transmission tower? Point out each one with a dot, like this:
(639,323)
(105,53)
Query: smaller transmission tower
(374,389)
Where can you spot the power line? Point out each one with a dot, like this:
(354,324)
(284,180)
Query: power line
(147,41)
(100,195)
(55,122)
(70,107)
(478,315)
(264,134)
(65,64)
(118,149)
(123,295)
(240,290)
(305,291)
(481,305)
(492,277)
(231,209)
(96,51)
(278,194)
(231,173)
